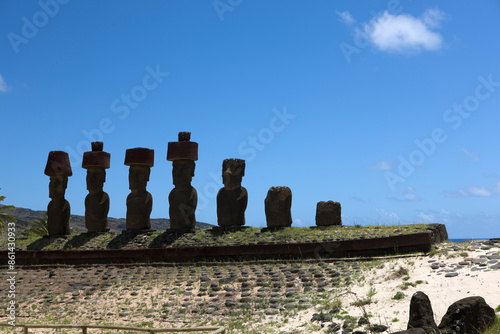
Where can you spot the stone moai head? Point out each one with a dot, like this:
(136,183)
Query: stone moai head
(96,162)
(233,171)
(140,161)
(183,155)
(59,169)
(328,214)
(278,204)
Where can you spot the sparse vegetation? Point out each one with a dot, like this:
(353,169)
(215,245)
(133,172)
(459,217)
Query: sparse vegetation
(399,295)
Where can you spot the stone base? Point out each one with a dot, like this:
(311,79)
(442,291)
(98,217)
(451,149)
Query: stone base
(324,227)
(98,232)
(228,229)
(273,228)
(180,230)
(64,236)
(137,231)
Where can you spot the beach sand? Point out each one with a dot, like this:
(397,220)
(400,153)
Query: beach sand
(272,297)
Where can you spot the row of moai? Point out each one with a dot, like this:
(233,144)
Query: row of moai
(231,199)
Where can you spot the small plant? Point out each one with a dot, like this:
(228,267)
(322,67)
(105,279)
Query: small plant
(497,309)
(398,296)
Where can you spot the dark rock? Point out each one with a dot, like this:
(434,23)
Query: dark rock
(451,275)
(469,315)
(328,213)
(379,328)
(421,314)
(277,207)
(412,331)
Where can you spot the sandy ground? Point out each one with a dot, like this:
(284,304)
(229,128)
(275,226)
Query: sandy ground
(170,296)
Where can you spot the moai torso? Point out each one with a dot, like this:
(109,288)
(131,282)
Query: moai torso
(58,213)
(96,211)
(139,207)
(182,208)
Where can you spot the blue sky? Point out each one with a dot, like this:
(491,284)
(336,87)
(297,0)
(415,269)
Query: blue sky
(389,107)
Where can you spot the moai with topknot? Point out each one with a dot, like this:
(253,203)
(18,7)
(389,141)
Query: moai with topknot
(97,201)
(278,204)
(139,201)
(232,199)
(183,199)
(58,211)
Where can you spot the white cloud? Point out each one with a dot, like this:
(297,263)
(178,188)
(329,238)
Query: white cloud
(346,17)
(3,85)
(403,33)
(381,165)
(479,191)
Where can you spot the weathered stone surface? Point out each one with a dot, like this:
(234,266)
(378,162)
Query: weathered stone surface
(412,331)
(232,199)
(421,314)
(97,201)
(58,210)
(139,201)
(469,315)
(278,205)
(328,213)
(183,199)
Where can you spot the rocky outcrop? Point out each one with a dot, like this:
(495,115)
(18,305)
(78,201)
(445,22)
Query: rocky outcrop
(470,315)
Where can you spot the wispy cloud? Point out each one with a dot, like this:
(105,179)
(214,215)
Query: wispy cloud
(404,33)
(4,88)
(496,188)
(409,195)
(357,199)
(456,194)
(345,17)
(381,165)
(475,191)
(469,155)
(479,191)
(388,217)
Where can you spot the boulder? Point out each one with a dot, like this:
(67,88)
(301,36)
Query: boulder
(421,314)
(469,315)
(412,331)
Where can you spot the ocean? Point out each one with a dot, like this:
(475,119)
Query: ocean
(460,240)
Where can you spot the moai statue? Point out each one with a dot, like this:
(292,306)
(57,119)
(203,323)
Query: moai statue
(232,199)
(58,210)
(278,204)
(97,201)
(183,198)
(328,214)
(139,201)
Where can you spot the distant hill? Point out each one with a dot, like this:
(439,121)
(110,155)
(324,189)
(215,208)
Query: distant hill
(77,223)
